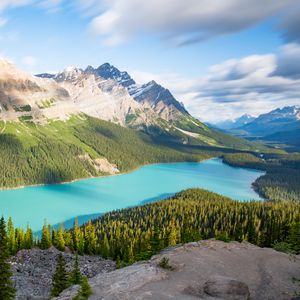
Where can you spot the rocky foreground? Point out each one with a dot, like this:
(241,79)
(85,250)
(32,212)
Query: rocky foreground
(208,270)
(33,270)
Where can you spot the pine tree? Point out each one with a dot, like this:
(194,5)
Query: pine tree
(90,239)
(155,242)
(11,238)
(7,291)
(294,237)
(76,276)
(85,290)
(28,238)
(59,239)
(46,237)
(60,278)
(105,249)
(172,238)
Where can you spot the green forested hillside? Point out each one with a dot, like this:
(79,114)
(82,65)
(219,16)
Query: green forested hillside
(60,151)
(31,153)
(282,178)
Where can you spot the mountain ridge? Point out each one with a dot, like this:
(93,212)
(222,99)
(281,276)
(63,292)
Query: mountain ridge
(234,123)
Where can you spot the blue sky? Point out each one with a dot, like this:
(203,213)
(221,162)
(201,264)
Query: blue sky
(183,46)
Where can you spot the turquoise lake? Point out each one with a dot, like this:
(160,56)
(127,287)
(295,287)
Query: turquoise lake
(90,197)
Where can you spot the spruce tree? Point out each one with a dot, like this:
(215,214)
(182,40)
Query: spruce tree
(90,239)
(85,290)
(172,238)
(11,238)
(60,278)
(46,237)
(28,238)
(294,237)
(7,291)
(105,249)
(59,239)
(76,276)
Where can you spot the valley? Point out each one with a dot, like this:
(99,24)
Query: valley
(149,150)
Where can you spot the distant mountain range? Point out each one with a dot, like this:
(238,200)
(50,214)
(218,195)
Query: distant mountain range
(279,126)
(234,123)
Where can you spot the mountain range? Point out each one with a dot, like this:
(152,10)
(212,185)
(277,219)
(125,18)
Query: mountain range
(233,123)
(105,93)
(280,126)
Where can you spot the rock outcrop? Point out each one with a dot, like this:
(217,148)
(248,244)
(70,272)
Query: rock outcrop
(33,270)
(210,270)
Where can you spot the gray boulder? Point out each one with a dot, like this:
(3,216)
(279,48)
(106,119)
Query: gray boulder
(226,288)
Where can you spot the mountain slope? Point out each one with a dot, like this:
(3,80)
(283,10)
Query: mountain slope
(23,94)
(81,147)
(291,137)
(110,94)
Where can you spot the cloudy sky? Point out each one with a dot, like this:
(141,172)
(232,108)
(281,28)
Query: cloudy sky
(221,58)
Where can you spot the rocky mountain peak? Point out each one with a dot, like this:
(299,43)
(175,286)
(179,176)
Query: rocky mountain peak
(89,69)
(71,73)
(108,71)
(156,96)
(287,113)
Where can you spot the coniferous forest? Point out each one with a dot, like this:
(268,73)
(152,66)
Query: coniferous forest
(137,233)
(282,178)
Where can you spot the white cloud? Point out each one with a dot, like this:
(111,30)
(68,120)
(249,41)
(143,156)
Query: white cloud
(254,84)
(29,61)
(4,4)
(181,22)
(3,21)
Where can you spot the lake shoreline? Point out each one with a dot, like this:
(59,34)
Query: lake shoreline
(59,203)
(102,176)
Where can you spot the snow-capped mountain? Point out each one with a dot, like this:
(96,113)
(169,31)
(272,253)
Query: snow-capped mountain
(159,99)
(234,123)
(109,72)
(280,119)
(150,95)
(104,92)
(150,98)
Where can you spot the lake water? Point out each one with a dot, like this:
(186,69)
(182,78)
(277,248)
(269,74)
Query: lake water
(90,197)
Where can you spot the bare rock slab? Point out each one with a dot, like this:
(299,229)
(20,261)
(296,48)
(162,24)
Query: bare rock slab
(226,288)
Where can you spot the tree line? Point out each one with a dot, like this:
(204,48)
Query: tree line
(282,178)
